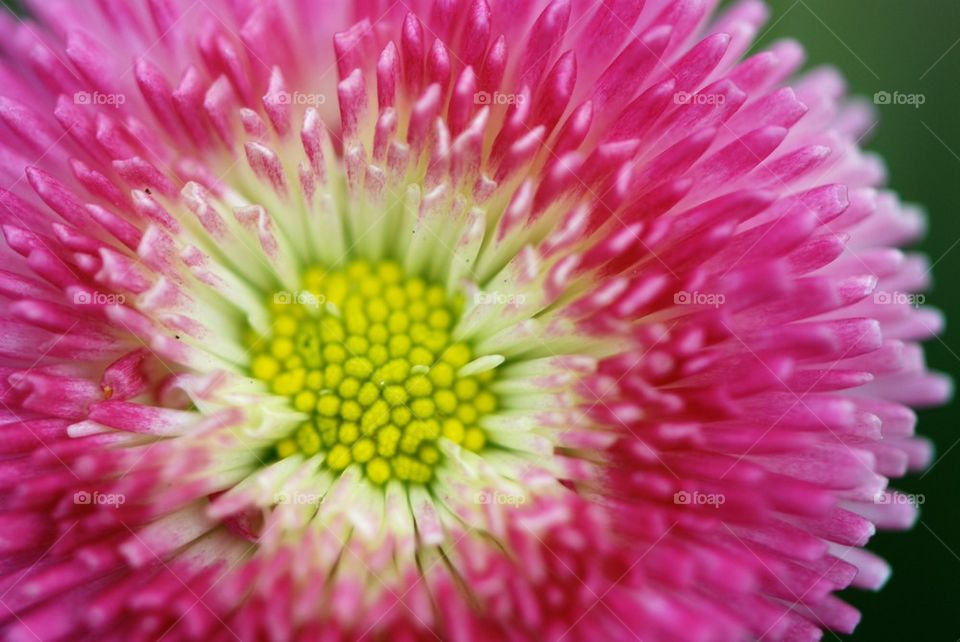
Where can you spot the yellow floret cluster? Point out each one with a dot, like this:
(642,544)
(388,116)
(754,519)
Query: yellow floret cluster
(366,352)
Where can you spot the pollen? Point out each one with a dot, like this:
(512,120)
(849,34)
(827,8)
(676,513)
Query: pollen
(366,354)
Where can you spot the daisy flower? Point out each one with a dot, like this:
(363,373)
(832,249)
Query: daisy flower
(451,319)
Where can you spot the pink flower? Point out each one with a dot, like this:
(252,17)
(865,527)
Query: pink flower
(465,320)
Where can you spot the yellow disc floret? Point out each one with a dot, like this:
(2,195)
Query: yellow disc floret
(366,354)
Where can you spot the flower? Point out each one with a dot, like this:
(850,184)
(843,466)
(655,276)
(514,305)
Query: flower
(476,320)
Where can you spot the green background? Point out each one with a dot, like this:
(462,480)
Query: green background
(910,46)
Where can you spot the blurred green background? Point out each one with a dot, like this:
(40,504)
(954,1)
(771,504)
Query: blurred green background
(913,48)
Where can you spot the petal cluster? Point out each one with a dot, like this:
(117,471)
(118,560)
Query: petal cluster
(667,268)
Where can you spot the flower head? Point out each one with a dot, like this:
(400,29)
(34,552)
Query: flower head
(466,320)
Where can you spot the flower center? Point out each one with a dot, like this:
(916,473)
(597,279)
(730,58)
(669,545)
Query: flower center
(366,353)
